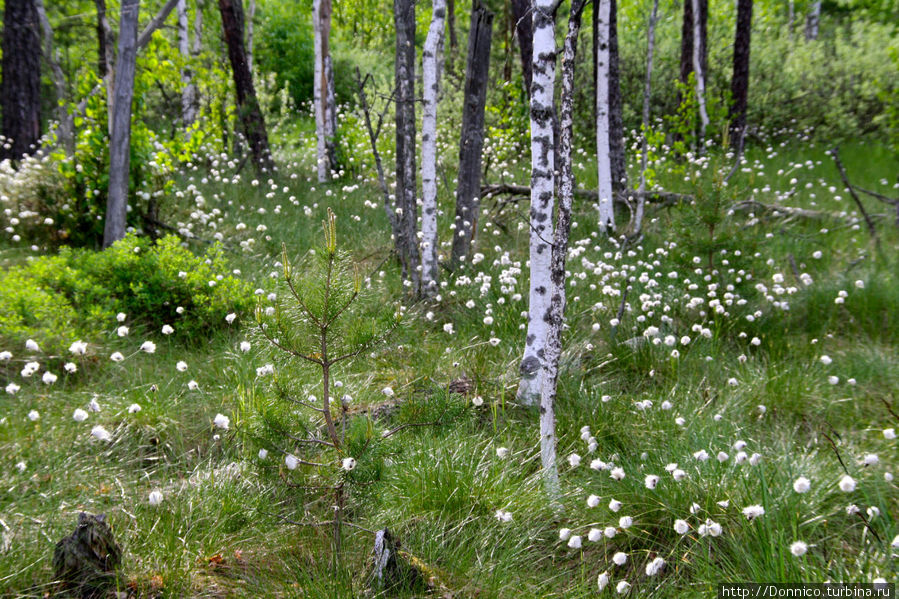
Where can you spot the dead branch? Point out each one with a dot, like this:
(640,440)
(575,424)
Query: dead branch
(524,191)
(835,154)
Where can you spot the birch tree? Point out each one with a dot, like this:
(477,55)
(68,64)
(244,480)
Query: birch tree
(559,253)
(406,205)
(430,66)
(699,70)
(20,89)
(188,51)
(688,41)
(322,90)
(471,143)
(524,31)
(120,136)
(647,89)
(812,19)
(603,132)
(542,109)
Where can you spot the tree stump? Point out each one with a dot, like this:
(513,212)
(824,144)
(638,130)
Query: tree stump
(85,561)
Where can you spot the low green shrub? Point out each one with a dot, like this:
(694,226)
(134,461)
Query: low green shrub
(59,299)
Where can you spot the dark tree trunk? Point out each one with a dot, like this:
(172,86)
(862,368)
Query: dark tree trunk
(686,48)
(472,141)
(616,119)
(407,216)
(120,136)
(20,90)
(739,84)
(524,30)
(247,105)
(105,43)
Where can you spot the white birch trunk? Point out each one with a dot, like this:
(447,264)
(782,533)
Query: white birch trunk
(542,108)
(699,74)
(603,146)
(812,20)
(188,90)
(120,142)
(251,14)
(559,255)
(430,65)
(320,86)
(641,189)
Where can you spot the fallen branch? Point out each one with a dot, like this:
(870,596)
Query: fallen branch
(524,191)
(835,153)
(787,211)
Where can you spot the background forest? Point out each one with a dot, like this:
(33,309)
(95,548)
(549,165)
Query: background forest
(324,300)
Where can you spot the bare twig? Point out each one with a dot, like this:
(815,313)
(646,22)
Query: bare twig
(835,154)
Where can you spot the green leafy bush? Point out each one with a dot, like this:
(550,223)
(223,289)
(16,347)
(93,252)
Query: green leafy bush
(59,299)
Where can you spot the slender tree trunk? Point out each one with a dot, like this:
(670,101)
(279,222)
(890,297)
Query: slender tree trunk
(603,125)
(687,39)
(791,18)
(472,140)
(105,59)
(20,90)
(812,19)
(251,15)
(699,69)
(65,132)
(247,104)
(430,66)
(559,253)
(739,84)
(644,154)
(616,118)
(524,32)
(530,389)
(407,207)
(120,136)
(188,90)
(325,116)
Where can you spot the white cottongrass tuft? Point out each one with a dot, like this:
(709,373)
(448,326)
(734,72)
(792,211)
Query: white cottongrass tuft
(100,433)
(348,464)
(574,460)
(847,484)
(593,501)
(753,511)
(79,415)
(798,548)
(655,566)
(622,587)
(155,498)
(291,462)
(681,527)
(574,542)
(221,421)
(802,485)
(602,581)
(564,534)
(620,558)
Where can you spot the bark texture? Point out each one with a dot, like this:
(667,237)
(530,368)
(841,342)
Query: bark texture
(616,118)
(189,97)
(812,19)
(561,234)
(406,205)
(687,39)
(323,90)
(20,90)
(120,137)
(247,104)
(739,84)
(699,67)
(430,64)
(647,89)
(472,141)
(603,117)
(530,388)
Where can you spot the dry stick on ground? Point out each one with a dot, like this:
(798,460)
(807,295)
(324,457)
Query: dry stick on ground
(835,153)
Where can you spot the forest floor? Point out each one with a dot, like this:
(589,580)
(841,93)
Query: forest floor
(754,348)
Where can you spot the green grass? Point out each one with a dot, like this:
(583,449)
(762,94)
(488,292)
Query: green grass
(224,526)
